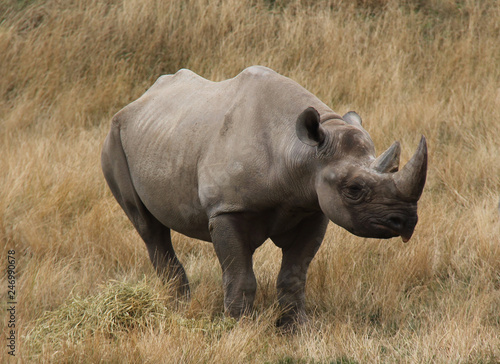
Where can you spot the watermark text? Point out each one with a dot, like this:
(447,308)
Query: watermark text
(11,302)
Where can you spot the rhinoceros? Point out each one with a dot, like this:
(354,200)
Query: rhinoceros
(253,157)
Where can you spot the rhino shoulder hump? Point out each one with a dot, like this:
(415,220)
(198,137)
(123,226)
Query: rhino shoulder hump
(258,71)
(181,75)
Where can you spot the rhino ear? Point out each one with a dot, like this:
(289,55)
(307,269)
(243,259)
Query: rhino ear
(308,128)
(352,118)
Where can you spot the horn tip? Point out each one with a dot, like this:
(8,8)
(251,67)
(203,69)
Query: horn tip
(423,144)
(397,144)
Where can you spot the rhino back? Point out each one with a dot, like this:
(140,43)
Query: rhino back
(198,148)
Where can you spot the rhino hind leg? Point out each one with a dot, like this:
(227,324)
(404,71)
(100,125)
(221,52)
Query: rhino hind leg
(155,234)
(299,247)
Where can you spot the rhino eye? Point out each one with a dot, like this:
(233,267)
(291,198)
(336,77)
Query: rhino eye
(354,191)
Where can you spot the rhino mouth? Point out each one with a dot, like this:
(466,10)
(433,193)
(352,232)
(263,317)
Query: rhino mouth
(388,232)
(385,232)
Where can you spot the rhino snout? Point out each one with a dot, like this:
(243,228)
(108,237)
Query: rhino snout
(396,225)
(402,225)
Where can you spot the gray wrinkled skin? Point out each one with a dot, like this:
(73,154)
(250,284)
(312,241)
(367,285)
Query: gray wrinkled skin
(250,158)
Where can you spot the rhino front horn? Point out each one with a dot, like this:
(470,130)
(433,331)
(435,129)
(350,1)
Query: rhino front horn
(410,180)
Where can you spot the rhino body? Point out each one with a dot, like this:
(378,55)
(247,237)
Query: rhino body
(250,158)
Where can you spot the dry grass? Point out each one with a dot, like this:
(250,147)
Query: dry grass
(409,68)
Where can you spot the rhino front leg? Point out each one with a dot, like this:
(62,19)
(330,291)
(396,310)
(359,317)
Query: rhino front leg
(235,239)
(299,247)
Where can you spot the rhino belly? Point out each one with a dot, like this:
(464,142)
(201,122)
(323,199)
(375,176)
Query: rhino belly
(170,193)
(177,208)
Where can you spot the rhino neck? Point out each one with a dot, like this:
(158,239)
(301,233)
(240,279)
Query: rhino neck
(300,164)
(299,169)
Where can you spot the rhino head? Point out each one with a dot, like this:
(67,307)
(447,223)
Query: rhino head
(368,196)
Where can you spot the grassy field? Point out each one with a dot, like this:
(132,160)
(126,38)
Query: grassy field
(86,291)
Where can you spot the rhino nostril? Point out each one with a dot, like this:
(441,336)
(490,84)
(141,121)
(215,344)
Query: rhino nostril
(396,222)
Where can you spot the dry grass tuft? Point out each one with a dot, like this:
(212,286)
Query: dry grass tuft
(117,307)
(407,67)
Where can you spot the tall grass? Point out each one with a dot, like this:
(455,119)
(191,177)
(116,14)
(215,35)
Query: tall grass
(408,68)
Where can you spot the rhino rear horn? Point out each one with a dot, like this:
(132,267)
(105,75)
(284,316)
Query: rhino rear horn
(388,162)
(410,180)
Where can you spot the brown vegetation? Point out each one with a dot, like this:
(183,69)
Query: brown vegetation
(407,67)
